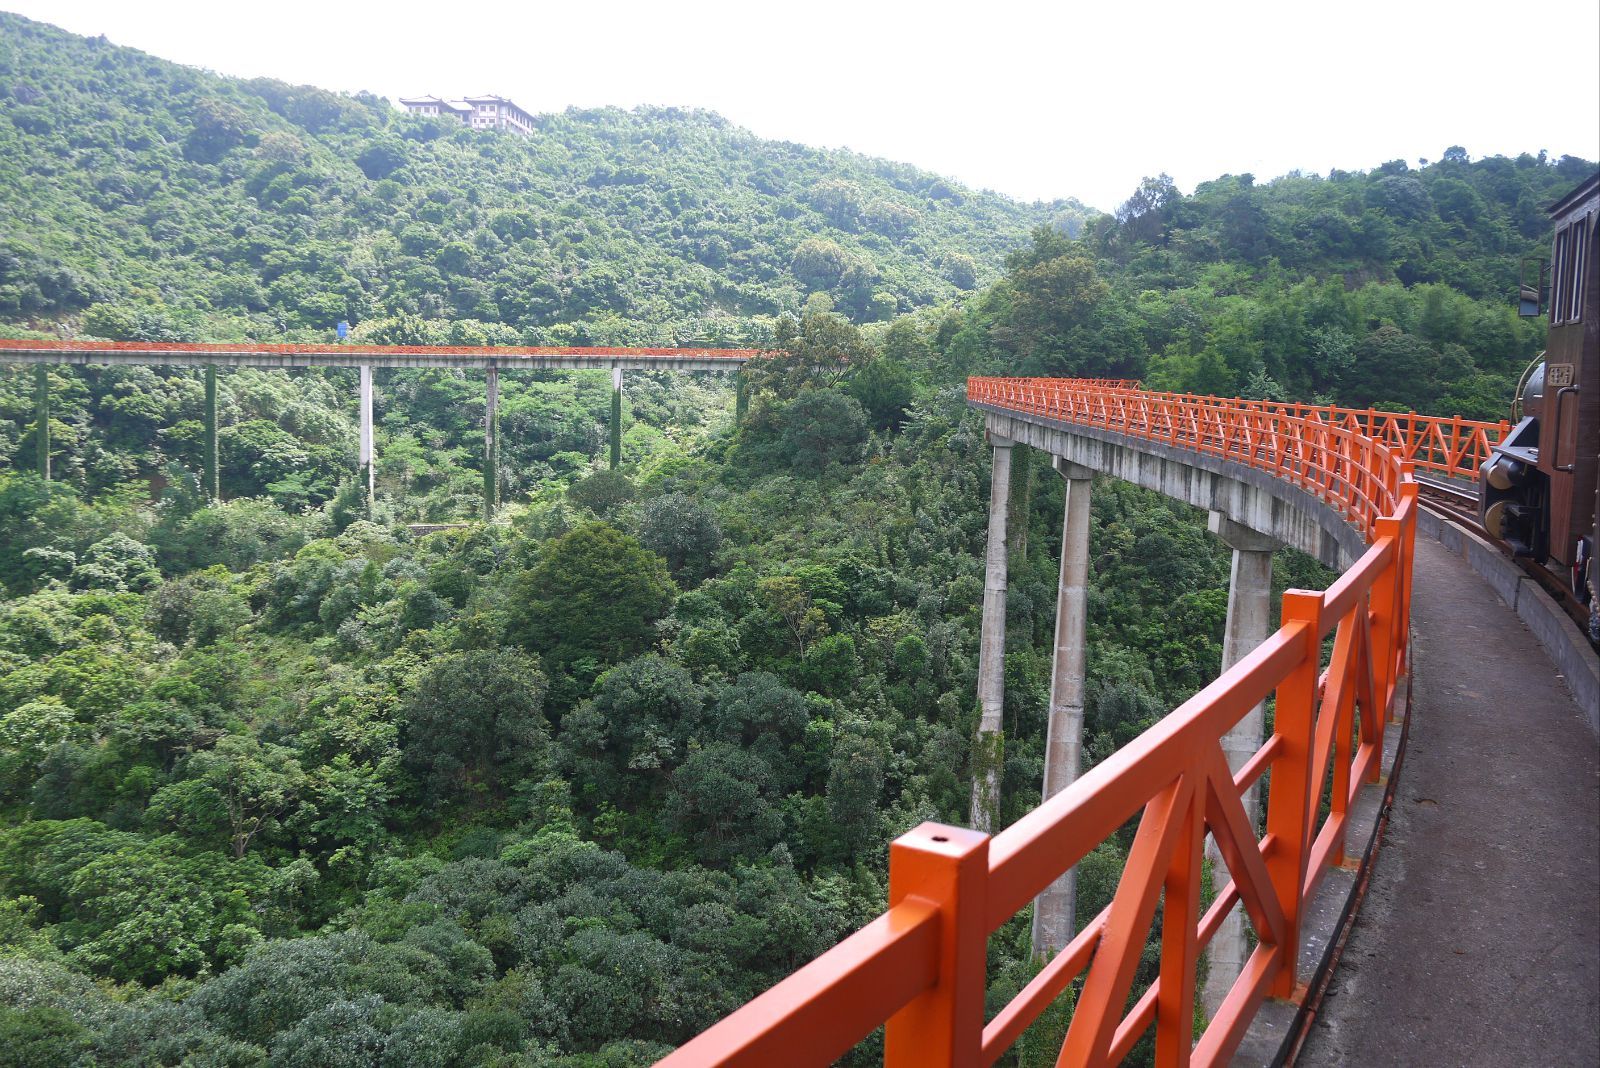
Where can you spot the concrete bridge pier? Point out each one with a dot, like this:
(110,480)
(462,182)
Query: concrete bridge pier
(367,475)
(616,417)
(491,446)
(1054,911)
(1249,624)
(41,418)
(741,396)
(989,747)
(210,475)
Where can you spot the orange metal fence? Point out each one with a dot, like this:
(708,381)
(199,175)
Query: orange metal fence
(1453,447)
(1086,383)
(920,967)
(242,347)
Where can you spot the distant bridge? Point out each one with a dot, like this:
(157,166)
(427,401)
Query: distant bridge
(1341,485)
(463,357)
(489,359)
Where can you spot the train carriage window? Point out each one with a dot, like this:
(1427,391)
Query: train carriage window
(1571,268)
(1582,263)
(1558,271)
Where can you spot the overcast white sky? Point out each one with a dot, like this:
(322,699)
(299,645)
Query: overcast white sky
(1037,100)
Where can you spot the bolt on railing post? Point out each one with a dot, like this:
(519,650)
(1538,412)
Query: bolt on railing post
(1289,800)
(949,867)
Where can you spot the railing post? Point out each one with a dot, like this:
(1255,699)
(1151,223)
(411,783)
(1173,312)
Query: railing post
(1179,952)
(1289,801)
(1408,540)
(949,867)
(1347,737)
(1386,607)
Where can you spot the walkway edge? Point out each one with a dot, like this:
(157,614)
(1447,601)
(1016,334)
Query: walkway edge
(1577,665)
(1279,1027)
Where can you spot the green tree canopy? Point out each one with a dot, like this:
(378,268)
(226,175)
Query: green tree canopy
(682,531)
(595,593)
(474,722)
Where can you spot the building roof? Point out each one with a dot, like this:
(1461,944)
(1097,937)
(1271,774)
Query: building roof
(489,98)
(424,101)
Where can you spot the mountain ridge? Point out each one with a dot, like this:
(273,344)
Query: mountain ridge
(254,207)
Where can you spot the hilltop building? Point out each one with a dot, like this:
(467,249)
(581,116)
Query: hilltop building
(433,105)
(478,112)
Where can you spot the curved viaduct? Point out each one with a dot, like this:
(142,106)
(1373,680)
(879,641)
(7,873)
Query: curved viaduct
(1341,486)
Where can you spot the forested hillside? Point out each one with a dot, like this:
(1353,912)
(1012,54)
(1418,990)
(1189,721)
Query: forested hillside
(191,205)
(285,783)
(1391,288)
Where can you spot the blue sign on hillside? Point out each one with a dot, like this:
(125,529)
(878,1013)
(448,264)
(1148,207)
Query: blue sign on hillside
(343,329)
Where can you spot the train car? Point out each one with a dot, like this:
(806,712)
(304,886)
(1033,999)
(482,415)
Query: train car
(1540,491)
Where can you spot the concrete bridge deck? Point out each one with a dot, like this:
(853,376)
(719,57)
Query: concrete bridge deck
(1479,939)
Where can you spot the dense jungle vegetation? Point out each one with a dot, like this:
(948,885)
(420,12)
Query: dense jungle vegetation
(285,782)
(187,203)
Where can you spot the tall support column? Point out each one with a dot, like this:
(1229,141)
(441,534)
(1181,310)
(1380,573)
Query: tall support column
(211,476)
(989,747)
(1054,912)
(368,476)
(616,417)
(41,417)
(1021,499)
(491,446)
(1249,620)
(741,396)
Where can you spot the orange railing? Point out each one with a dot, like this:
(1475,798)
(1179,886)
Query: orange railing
(251,347)
(1453,447)
(1086,383)
(920,967)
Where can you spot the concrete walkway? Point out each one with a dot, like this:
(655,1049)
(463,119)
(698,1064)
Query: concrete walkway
(1479,939)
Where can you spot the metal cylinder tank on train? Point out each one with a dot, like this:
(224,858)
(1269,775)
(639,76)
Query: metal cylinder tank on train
(1540,491)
